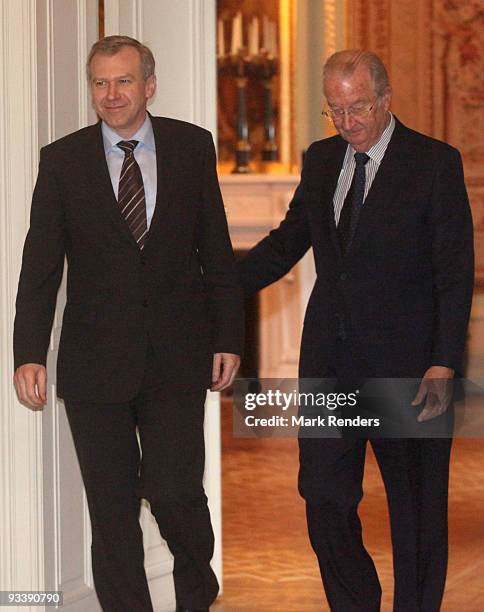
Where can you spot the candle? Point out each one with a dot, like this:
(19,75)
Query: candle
(236,34)
(254,36)
(273,38)
(221,39)
(265,33)
(240,37)
(233,42)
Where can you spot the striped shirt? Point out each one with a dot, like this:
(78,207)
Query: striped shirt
(375,154)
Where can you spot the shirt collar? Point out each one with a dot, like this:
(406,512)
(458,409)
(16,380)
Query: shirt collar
(377,151)
(144,136)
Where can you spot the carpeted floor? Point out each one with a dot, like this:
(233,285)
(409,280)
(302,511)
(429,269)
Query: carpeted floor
(268,563)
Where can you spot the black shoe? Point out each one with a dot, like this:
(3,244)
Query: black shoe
(182,609)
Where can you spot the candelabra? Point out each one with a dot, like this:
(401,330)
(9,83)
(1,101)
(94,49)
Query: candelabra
(265,68)
(243,63)
(237,66)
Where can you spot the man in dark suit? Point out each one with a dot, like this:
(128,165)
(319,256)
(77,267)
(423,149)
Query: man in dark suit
(153,317)
(386,213)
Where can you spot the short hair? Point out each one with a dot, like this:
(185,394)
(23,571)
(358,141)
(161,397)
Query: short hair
(110,45)
(346,62)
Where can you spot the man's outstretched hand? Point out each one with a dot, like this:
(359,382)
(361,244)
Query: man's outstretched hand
(436,390)
(225,366)
(30,380)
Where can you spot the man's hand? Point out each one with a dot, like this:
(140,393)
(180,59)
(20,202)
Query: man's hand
(30,380)
(436,388)
(225,366)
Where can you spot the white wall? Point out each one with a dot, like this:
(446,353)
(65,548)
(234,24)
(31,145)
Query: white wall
(182,38)
(21,563)
(44,95)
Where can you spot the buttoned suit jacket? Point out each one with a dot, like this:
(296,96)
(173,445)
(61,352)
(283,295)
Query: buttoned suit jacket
(180,294)
(403,291)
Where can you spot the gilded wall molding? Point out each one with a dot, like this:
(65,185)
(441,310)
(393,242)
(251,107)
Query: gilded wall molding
(329,27)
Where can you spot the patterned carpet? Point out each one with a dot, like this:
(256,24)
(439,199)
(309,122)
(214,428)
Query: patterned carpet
(268,563)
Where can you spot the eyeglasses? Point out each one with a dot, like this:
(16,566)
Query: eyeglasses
(360,111)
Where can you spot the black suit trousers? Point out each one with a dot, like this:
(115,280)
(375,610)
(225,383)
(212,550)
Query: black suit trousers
(415,474)
(168,472)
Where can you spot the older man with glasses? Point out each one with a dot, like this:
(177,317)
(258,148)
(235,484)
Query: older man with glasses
(386,213)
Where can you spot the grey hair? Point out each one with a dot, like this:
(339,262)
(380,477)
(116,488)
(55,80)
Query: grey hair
(345,63)
(110,45)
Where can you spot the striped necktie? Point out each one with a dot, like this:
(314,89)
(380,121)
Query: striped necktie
(131,193)
(353,202)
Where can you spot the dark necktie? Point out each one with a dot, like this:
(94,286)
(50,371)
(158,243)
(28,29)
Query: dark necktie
(353,202)
(131,193)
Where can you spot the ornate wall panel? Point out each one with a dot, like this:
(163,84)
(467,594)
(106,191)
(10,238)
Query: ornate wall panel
(434,50)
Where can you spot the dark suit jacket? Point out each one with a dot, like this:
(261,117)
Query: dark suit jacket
(181,293)
(404,289)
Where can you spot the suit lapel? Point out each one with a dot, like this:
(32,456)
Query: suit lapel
(386,187)
(100,182)
(165,171)
(332,168)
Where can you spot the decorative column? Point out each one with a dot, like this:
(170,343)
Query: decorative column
(21,524)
